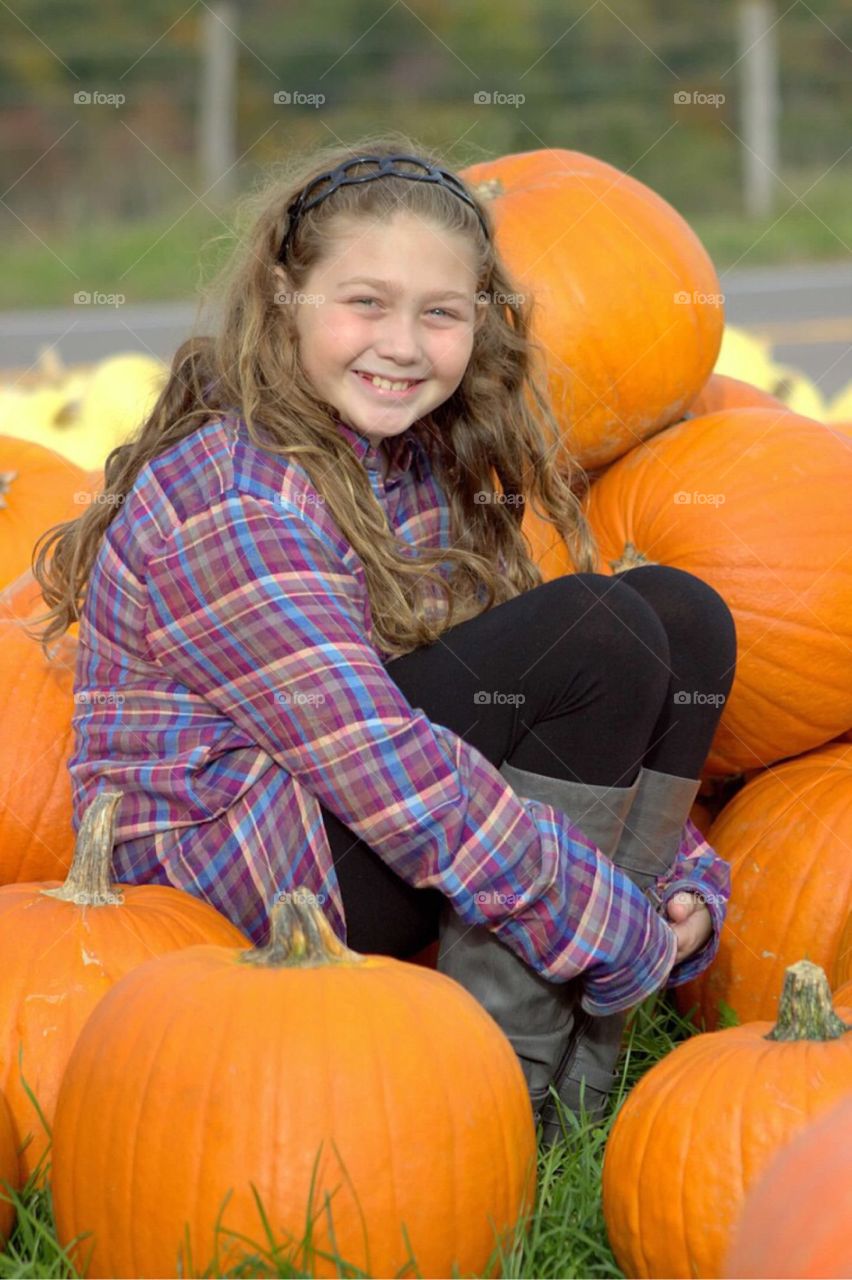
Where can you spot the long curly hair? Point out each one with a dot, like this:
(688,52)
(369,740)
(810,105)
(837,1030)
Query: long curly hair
(497,428)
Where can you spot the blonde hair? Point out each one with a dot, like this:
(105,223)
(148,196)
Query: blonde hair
(498,420)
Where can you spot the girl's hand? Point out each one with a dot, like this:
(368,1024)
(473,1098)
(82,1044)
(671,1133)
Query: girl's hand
(690,920)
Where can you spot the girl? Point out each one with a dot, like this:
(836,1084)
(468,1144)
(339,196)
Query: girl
(340,671)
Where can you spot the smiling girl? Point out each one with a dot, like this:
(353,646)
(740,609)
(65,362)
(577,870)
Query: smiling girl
(340,670)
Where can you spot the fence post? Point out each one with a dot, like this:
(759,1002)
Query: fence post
(759,87)
(217,106)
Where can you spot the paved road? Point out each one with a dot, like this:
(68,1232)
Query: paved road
(805,311)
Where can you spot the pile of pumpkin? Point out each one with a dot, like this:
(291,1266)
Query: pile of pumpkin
(690,467)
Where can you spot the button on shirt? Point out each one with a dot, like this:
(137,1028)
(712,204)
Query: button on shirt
(228,617)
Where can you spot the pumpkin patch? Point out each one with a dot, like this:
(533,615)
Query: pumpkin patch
(62,946)
(200,1089)
(703,1124)
(787,835)
(307,1073)
(741,498)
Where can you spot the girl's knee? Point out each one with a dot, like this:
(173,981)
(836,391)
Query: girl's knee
(622,628)
(691,610)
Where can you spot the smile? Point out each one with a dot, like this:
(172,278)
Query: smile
(396,389)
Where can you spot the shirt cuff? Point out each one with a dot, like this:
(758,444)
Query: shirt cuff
(628,986)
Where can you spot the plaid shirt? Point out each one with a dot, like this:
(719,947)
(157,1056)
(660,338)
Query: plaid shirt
(227,682)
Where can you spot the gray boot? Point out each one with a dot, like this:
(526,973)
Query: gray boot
(536,1015)
(646,850)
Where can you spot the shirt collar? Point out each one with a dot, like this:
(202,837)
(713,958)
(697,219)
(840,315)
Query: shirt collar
(404,451)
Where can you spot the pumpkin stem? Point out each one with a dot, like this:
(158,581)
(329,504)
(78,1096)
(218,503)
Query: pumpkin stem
(299,936)
(89,882)
(630,559)
(805,1011)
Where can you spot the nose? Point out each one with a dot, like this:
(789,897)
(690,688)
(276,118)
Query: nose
(398,339)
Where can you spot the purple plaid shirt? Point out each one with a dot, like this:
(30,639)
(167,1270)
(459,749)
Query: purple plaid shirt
(227,682)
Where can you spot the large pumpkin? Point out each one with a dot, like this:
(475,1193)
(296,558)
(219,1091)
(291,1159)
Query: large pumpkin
(37,698)
(62,946)
(723,392)
(796,1220)
(787,835)
(628,307)
(38,489)
(701,1126)
(757,504)
(10,1173)
(287,1074)
(842,971)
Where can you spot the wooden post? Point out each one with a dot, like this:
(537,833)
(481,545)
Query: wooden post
(760,99)
(217,107)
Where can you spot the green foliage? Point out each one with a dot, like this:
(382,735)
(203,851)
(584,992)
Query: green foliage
(597,78)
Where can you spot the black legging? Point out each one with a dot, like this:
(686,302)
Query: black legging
(614,673)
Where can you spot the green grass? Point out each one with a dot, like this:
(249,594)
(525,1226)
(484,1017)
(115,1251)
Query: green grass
(168,258)
(566,1236)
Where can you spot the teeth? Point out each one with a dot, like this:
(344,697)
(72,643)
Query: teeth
(386,385)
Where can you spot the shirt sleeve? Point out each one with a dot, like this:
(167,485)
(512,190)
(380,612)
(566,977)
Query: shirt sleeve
(697,868)
(251,607)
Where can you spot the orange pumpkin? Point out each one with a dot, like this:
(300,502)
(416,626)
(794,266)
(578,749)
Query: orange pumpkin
(796,1218)
(756,503)
(62,946)
(723,392)
(10,1175)
(842,971)
(37,697)
(628,307)
(701,1126)
(547,546)
(38,489)
(287,1074)
(843,994)
(787,836)
(701,815)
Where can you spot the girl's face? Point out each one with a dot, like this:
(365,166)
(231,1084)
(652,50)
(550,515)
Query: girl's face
(396,300)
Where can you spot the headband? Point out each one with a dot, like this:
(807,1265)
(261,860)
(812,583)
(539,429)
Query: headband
(386,168)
